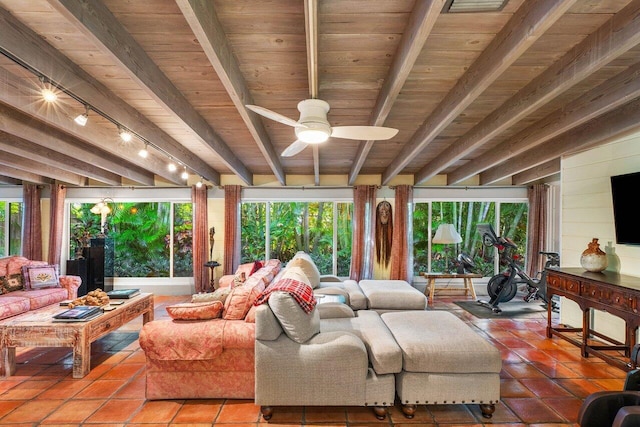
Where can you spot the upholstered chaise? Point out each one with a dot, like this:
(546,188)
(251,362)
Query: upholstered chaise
(299,365)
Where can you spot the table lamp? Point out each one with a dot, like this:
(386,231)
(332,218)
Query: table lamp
(446,234)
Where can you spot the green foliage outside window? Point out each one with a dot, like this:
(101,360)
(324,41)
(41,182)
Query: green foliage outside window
(141,233)
(10,228)
(465,216)
(297,226)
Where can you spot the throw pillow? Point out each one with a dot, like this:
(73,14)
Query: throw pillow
(219,294)
(298,325)
(12,282)
(239,279)
(40,277)
(195,311)
(308,266)
(242,298)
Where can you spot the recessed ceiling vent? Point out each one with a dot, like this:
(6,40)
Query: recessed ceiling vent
(468,6)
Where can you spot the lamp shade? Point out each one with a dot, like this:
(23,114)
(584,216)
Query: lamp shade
(446,234)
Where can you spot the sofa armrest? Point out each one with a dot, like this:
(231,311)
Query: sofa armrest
(329,369)
(71,284)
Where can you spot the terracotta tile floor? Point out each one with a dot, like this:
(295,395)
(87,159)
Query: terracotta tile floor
(543,384)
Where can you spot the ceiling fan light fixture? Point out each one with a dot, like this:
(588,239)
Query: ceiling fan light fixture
(313,136)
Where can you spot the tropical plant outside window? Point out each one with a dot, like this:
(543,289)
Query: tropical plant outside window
(10,228)
(151,239)
(465,216)
(280,229)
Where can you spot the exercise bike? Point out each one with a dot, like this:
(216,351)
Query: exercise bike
(503,286)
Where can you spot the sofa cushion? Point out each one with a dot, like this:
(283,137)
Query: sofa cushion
(392,295)
(303,261)
(11,283)
(43,297)
(241,298)
(40,276)
(12,305)
(219,294)
(174,340)
(195,310)
(296,323)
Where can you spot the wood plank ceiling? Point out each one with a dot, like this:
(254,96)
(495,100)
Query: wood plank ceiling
(479,98)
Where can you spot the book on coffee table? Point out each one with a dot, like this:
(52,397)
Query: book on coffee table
(78,314)
(123,293)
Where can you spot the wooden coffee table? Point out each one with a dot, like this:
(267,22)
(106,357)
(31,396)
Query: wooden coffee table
(37,329)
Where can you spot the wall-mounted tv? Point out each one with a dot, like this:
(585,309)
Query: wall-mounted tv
(624,191)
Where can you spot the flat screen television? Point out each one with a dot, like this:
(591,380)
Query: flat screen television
(624,191)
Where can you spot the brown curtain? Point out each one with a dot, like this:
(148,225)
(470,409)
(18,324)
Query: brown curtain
(232,197)
(58,193)
(32,229)
(200,238)
(538,196)
(363,239)
(402,246)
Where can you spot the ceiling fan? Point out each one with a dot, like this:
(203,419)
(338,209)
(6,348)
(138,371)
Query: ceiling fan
(314,128)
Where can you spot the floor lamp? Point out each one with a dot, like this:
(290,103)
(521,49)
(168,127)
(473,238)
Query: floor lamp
(446,234)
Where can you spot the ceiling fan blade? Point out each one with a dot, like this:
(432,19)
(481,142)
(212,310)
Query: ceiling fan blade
(296,147)
(274,116)
(364,133)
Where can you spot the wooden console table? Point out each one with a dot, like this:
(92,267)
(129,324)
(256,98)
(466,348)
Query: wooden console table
(467,279)
(613,293)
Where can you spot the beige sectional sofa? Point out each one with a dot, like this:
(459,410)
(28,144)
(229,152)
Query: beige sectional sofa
(336,354)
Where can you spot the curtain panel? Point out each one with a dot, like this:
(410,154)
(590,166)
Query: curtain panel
(363,240)
(32,229)
(402,246)
(58,194)
(538,196)
(232,198)
(200,238)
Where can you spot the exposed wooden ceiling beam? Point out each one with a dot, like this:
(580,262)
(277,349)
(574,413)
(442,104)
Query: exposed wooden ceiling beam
(611,94)
(21,147)
(23,43)
(23,168)
(600,130)
(530,21)
(614,37)
(17,93)
(311,33)
(97,23)
(9,181)
(19,124)
(544,170)
(203,20)
(423,17)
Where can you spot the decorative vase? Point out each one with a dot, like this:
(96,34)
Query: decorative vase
(593,258)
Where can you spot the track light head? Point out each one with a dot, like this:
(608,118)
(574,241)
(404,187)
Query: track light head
(125,135)
(185,174)
(144,153)
(172,167)
(49,95)
(81,119)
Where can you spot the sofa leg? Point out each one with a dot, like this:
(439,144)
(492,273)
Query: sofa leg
(380,412)
(409,410)
(267,412)
(487,409)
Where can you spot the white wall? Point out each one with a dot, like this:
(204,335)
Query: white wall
(587,212)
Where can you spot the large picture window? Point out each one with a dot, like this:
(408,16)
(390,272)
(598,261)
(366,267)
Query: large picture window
(151,239)
(10,228)
(464,217)
(280,229)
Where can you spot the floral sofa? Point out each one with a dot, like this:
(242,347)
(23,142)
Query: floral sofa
(28,285)
(206,348)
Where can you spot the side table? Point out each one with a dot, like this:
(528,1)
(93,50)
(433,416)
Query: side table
(211,265)
(467,279)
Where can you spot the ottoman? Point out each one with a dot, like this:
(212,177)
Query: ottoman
(443,362)
(391,295)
